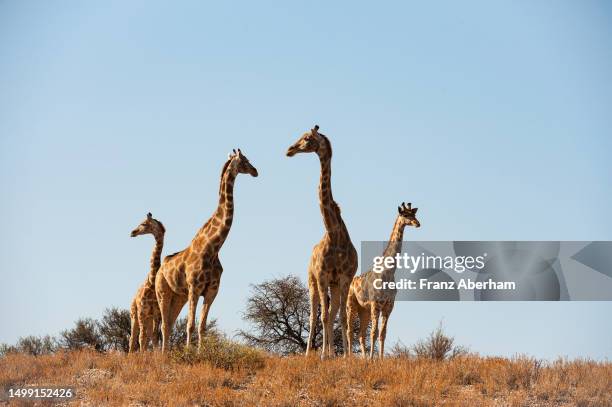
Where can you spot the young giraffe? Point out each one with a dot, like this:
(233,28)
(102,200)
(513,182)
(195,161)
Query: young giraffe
(195,271)
(334,259)
(144,311)
(369,302)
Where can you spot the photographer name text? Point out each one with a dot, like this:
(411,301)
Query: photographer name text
(424,284)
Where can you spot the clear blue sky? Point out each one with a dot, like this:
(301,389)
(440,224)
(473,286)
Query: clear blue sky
(493,118)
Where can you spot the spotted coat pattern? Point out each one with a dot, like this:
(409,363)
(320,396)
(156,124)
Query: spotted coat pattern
(370,303)
(144,310)
(196,271)
(333,262)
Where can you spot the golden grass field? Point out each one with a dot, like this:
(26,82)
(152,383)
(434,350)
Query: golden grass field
(241,376)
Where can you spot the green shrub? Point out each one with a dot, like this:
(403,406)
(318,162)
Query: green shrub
(114,328)
(31,345)
(222,353)
(85,334)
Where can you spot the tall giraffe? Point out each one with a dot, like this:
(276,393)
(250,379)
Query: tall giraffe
(334,259)
(196,270)
(369,302)
(144,311)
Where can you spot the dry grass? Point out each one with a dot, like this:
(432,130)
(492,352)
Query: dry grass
(237,375)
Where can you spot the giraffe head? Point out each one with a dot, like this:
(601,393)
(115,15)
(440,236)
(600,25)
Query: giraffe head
(407,214)
(310,142)
(238,163)
(149,226)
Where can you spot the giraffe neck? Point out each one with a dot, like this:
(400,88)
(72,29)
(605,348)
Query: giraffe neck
(156,257)
(395,244)
(329,208)
(218,226)
(225,209)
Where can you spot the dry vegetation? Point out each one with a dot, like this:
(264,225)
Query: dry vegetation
(435,371)
(232,374)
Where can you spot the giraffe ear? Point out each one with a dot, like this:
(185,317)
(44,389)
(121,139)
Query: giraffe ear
(399,209)
(414,210)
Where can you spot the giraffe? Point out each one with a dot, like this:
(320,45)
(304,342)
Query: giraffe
(144,311)
(370,303)
(196,270)
(334,259)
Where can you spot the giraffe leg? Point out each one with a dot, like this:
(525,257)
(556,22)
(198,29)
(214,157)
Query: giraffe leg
(383,333)
(162,290)
(165,326)
(143,323)
(155,331)
(375,313)
(174,309)
(208,300)
(314,307)
(150,331)
(364,321)
(134,332)
(334,306)
(149,324)
(351,308)
(344,290)
(324,300)
(193,304)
